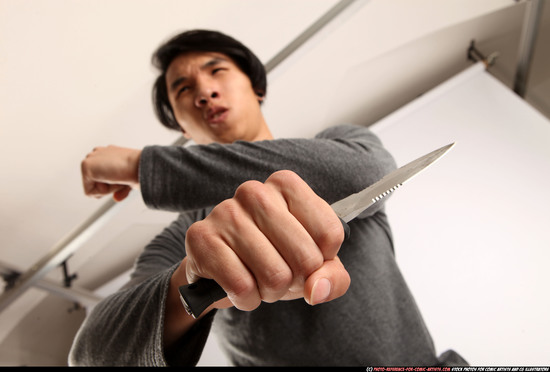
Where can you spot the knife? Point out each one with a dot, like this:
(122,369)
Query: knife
(197,296)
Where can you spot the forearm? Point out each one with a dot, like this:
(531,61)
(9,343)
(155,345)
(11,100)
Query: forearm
(334,166)
(136,325)
(126,328)
(176,321)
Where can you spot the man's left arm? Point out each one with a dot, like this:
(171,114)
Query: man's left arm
(338,162)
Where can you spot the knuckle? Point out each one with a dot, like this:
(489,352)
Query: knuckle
(252,194)
(195,232)
(198,239)
(242,287)
(331,237)
(283,177)
(248,188)
(244,294)
(227,212)
(309,264)
(278,280)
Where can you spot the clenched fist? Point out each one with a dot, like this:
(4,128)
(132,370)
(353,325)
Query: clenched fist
(110,170)
(272,241)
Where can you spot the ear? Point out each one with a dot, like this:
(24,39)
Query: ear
(260,94)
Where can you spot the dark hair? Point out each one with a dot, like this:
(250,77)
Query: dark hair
(202,41)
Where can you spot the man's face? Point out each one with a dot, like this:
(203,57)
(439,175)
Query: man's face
(213,100)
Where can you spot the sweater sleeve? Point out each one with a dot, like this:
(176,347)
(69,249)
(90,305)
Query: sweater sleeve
(127,327)
(338,162)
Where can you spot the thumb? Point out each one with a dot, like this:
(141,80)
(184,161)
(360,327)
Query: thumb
(122,193)
(327,283)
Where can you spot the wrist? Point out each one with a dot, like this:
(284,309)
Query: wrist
(134,158)
(176,320)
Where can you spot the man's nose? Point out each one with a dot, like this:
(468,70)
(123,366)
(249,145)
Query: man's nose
(204,96)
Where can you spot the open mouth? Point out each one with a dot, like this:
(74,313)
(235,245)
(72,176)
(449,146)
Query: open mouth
(217,115)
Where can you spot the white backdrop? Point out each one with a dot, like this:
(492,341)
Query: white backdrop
(472,231)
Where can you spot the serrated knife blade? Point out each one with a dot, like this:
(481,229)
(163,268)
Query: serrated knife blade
(352,206)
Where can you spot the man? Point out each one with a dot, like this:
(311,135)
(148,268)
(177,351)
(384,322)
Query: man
(271,241)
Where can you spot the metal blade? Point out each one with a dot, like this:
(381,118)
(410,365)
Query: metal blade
(351,206)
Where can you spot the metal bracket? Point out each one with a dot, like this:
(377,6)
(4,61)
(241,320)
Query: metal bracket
(11,277)
(476,56)
(67,279)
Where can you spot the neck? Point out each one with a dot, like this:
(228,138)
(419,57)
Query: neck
(262,129)
(264,133)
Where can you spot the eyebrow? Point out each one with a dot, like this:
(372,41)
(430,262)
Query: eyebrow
(214,61)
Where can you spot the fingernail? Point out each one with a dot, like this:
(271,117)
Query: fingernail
(320,292)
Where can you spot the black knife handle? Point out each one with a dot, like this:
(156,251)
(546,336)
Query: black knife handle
(346,229)
(196,297)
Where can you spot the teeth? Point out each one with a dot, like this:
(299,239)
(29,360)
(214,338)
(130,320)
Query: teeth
(216,115)
(386,193)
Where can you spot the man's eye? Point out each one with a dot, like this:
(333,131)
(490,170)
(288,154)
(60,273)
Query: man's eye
(183,90)
(214,71)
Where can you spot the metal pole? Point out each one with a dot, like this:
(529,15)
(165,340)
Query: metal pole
(60,252)
(305,36)
(527,44)
(82,296)
(74,240)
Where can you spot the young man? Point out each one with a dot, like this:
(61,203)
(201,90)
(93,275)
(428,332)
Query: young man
(254,217)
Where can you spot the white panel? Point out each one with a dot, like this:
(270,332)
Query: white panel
(471,232)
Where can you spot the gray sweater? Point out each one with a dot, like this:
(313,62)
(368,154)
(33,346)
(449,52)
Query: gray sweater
(375,323)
